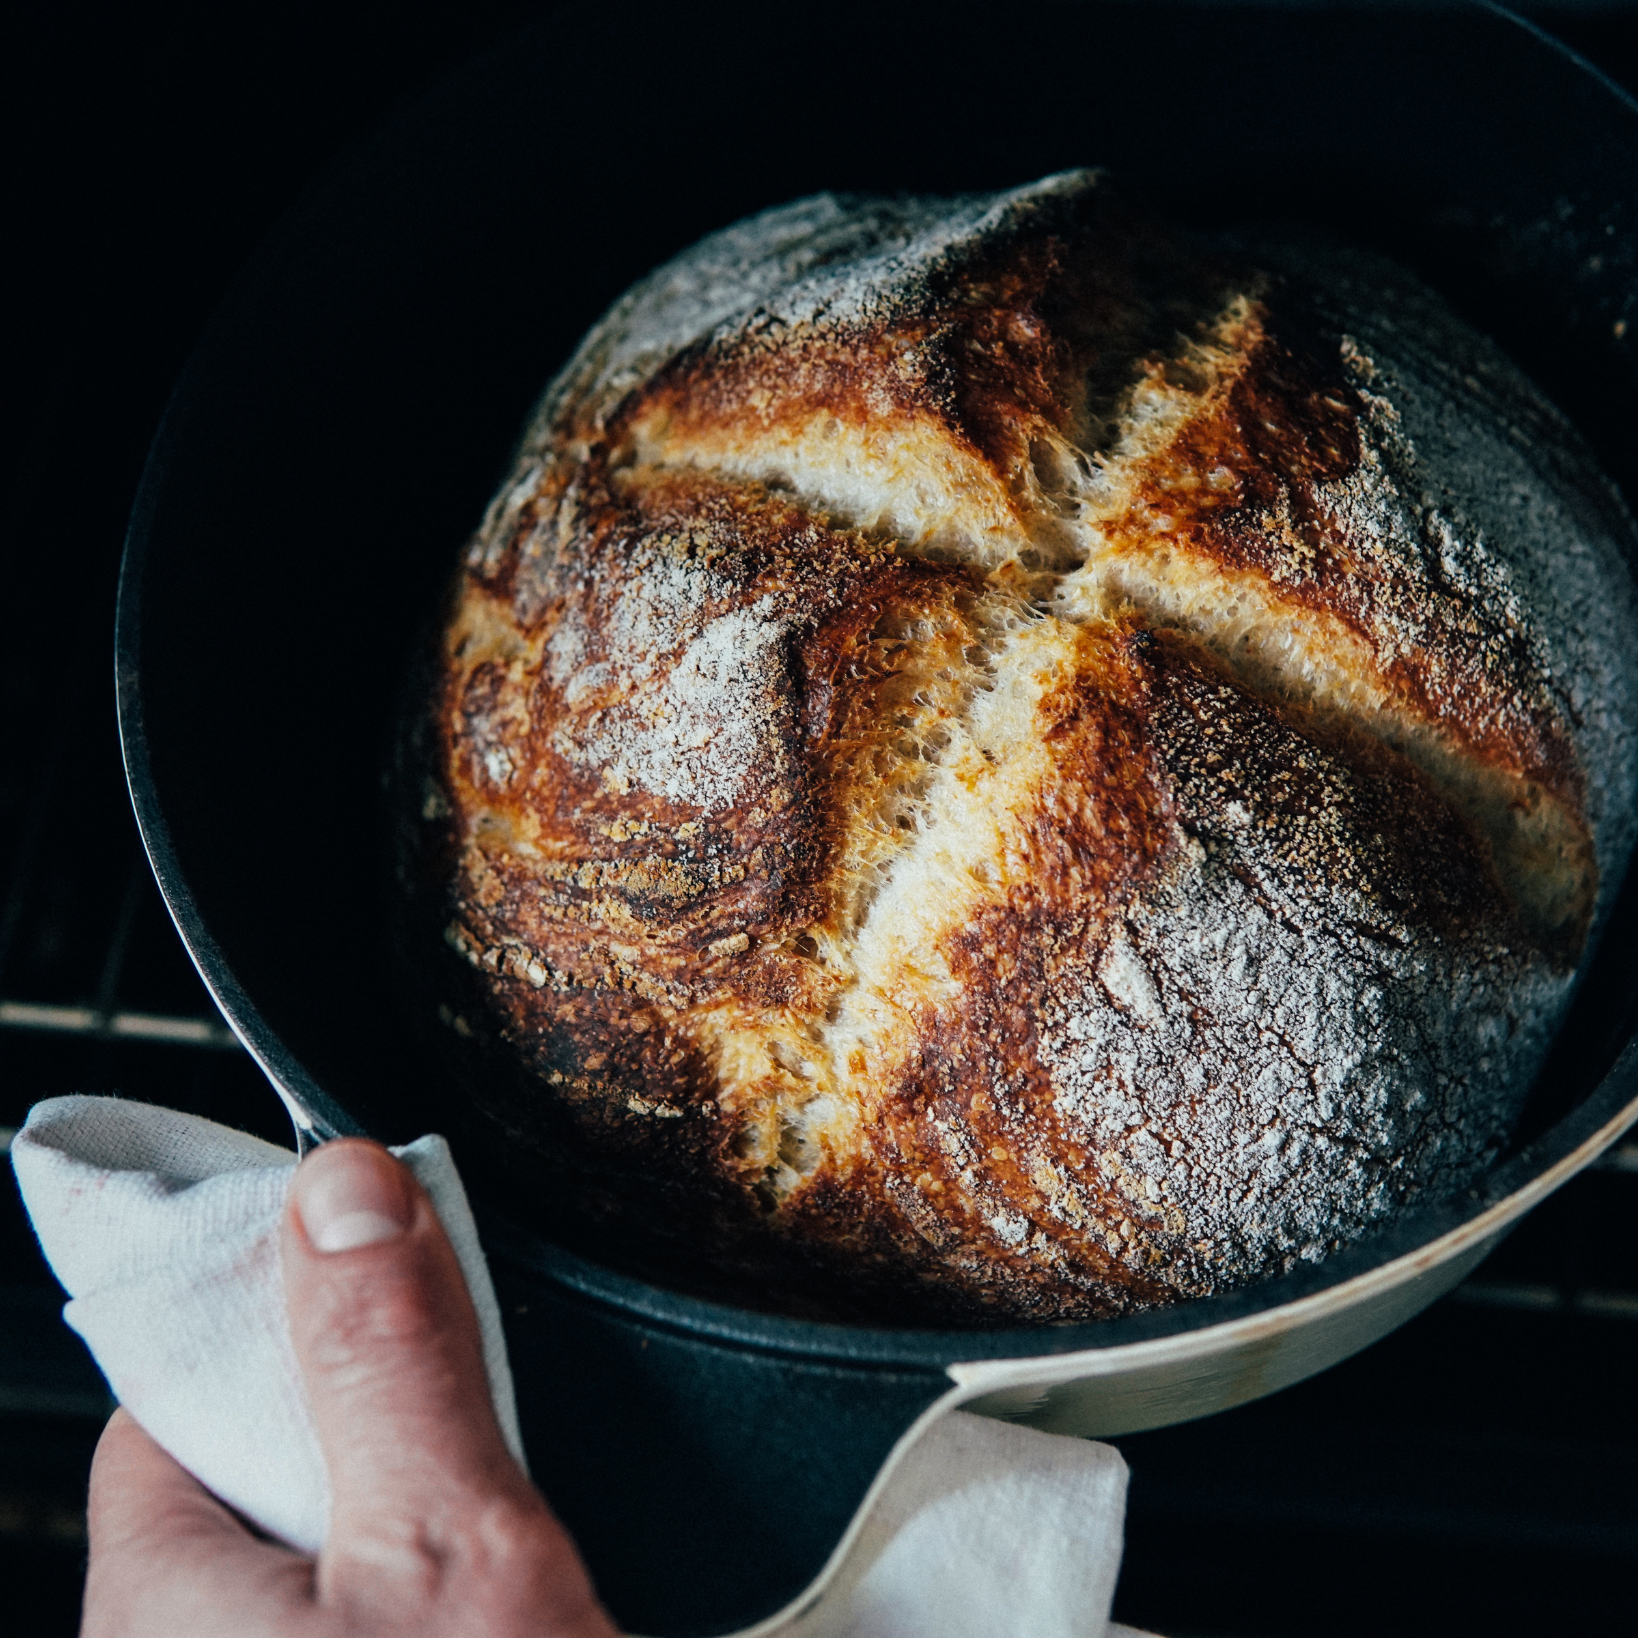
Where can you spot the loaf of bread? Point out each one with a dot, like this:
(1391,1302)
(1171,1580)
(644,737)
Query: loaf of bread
(993,760)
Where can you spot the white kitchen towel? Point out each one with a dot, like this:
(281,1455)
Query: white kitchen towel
(165,1230)
(982,1530)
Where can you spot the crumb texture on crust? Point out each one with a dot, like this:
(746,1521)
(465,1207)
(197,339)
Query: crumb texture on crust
(1009,760)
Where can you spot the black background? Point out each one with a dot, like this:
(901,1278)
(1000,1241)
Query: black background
(145,154)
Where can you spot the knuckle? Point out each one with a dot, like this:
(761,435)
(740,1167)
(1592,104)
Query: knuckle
(504,1541)
(509,1534)
(403,1563)
(500,1560)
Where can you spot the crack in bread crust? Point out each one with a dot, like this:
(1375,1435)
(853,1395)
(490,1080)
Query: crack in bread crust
(994,762)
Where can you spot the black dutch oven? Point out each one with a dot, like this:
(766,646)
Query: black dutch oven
(336,436)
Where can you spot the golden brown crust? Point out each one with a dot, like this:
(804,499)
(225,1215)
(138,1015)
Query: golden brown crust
(655,881)
(977,778)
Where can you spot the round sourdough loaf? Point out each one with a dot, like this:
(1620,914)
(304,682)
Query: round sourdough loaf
(992,759)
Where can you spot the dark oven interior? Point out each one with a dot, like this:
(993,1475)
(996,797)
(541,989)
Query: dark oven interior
(1474,1470)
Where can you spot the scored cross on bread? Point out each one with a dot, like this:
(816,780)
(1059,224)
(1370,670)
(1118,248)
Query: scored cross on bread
(994,759)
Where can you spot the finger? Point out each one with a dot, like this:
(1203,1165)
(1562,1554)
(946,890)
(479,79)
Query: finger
(167,1557)
(426,1500)
(387,1338)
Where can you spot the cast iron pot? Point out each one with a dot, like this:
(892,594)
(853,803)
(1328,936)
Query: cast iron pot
(337,434)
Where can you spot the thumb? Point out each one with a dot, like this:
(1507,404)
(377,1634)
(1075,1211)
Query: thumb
(424,1491)
(385,1332)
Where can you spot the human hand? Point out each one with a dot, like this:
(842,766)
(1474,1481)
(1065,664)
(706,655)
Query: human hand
(434,1529)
